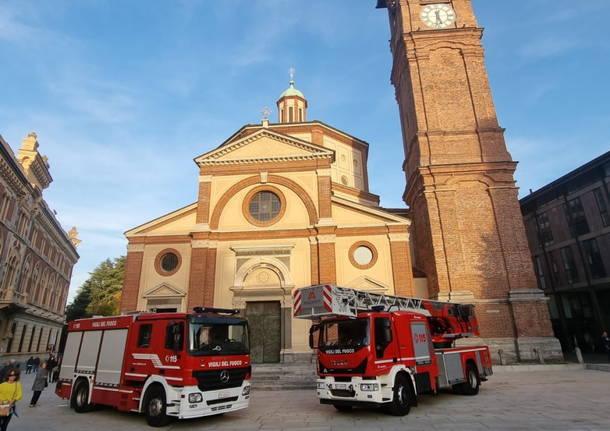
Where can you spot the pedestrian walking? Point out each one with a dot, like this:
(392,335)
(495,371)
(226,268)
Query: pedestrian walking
(29,365)
(51,364)
(36,364)
(606,343)
(40,382)
(10,393)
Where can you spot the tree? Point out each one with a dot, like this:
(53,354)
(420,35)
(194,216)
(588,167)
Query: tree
(100,294)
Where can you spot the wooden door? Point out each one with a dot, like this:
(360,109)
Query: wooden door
(265,335)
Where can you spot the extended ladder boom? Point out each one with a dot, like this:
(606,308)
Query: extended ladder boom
(448,320)
(314,302)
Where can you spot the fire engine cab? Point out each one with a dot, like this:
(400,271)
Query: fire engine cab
(378,350)
(161,364)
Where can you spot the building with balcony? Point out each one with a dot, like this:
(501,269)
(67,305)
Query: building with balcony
(36,255)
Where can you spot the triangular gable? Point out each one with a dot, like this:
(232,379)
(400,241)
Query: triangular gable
(164,221)
(368,284)
(371,214)
(264,146)
(164,290)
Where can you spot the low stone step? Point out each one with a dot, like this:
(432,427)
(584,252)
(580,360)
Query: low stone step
(273,377)
(286,387)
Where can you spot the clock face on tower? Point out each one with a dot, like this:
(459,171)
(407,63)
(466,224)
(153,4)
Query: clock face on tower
(438,15)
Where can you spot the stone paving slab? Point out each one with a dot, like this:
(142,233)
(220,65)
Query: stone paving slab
(546,401)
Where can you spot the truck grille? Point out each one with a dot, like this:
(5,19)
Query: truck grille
(211,380)
(343,393)
(360,369)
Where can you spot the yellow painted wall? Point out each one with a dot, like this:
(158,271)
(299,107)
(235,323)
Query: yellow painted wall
(181,226)
(348,217)
(264,147)
(381,271)
(150,278)
(347,165)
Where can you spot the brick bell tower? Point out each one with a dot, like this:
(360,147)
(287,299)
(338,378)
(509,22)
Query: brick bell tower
(467,226)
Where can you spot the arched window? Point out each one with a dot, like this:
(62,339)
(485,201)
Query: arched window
(33,283)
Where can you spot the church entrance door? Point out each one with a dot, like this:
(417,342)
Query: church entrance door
(265,334)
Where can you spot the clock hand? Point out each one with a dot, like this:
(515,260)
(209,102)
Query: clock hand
(439,21)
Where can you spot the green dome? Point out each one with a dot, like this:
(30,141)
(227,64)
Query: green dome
(291,91)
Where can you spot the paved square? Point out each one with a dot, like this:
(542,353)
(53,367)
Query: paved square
(549,400)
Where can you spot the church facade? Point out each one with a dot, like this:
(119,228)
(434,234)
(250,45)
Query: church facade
(287,205)
(281,205)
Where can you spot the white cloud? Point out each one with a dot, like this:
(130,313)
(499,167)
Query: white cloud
(548,46)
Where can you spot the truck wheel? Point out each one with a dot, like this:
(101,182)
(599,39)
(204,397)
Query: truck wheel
(472,383)
(342,408)
(80,397)
(155,407)
(404,397)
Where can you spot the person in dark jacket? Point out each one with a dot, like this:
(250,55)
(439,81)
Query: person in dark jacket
(40,382)
(606,343)
(51,364)
(36,364)
(29,364)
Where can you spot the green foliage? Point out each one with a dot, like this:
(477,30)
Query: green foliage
(100,294)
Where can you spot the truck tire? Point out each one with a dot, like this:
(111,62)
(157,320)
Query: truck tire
(343,408)
(80,397)
(404,397)
(155,407)
(472,383)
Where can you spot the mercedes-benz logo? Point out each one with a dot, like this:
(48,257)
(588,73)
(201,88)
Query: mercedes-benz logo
(224,376)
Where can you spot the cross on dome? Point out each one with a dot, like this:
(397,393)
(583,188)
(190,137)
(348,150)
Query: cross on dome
(292,105)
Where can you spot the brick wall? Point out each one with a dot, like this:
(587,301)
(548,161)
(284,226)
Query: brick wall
(131,282)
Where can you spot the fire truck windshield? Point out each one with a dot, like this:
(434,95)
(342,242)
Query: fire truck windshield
(218,338)
(344,334)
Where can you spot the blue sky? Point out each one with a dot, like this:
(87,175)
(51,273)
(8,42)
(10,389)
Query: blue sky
(123,94)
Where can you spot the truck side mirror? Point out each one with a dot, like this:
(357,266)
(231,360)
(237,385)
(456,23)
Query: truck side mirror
(314,336)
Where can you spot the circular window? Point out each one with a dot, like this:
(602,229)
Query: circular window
(168,262)
(363,255)
(264,205)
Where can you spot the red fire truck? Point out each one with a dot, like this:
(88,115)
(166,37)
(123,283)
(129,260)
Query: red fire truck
(161,364)
(378,350)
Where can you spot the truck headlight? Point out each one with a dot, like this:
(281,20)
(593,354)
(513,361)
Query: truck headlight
(320,385)
(369,387)
(195,397)
(246,390)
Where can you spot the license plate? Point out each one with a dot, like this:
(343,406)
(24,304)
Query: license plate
(223,394)
(340,386)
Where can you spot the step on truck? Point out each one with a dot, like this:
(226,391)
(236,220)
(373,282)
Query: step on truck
(164,365)
(376,350)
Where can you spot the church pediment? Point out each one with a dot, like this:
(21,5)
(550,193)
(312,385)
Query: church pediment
(179,222)
(367,284)
(164,290)
(264,146)
(352,213)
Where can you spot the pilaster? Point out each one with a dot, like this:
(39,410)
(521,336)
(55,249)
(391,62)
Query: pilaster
(131,282)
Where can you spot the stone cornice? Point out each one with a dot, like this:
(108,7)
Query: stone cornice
(13,179)
(212,157)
